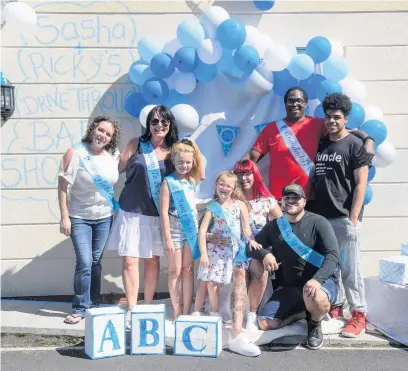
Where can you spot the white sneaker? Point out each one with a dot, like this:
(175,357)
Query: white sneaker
(215,314)
(242,346)
(196,314)
(251,323)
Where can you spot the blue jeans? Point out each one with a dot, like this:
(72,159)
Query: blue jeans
(89,238)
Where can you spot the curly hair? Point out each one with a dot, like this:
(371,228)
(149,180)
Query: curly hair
(162,111)
(337,102)
(305,97)
(112,146)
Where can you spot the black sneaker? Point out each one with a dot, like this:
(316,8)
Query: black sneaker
(314,335)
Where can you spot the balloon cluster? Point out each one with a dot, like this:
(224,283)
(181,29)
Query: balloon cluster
(218,45)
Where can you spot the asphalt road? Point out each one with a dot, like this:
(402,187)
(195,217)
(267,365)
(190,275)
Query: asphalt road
(329,359)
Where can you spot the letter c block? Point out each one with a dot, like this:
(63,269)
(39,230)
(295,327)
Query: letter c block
(105,332)
(198,336)
(147,335)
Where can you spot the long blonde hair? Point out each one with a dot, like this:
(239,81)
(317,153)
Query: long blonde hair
(190,146)
(237,193)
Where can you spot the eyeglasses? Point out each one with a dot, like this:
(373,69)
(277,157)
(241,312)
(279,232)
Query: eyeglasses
(295,101)
(155,122)
(241,175)
(292,198)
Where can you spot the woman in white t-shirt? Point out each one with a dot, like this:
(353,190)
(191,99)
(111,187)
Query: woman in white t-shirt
(86,200)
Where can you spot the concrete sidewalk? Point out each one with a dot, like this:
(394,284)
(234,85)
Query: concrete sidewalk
(46,318)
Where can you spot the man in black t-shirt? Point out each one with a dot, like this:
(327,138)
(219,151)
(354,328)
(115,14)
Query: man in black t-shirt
(340,185)
(303,247)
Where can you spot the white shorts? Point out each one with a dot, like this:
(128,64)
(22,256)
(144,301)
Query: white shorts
(136,235)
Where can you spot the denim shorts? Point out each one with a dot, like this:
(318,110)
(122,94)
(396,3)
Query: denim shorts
(177,232)
(287,301)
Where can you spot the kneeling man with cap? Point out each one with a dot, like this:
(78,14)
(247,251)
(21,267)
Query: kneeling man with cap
(303,248)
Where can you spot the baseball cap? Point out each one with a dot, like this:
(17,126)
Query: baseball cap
(293,188)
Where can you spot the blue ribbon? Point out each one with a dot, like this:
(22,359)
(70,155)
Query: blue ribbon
(305,252)
(103,186)
(232,229)
(153,172)
(186,212)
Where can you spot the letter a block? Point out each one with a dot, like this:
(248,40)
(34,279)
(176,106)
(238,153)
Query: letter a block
(148,323)
(105,332)
(198,336)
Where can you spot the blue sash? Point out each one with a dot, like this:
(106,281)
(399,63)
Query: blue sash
(295,148)
(153,172)
(305,252)
(102,185)
(231,228)
(186,212)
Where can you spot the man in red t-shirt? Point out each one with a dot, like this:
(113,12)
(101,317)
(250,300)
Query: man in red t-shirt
(303,133)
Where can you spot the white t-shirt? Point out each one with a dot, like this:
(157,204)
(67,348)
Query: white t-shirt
(84,199)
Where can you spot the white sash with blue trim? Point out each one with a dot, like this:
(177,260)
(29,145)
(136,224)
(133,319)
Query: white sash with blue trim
(232,228)
(305,252)
(153,172)
(186,212)
(102,185)
(295,148)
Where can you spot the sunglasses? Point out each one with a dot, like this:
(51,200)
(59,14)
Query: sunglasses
(187,142)
(164,122)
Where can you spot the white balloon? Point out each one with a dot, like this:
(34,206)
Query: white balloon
(337,48)
(186,116)
(20,15)
(373,113)
(172,46)
(210,51)
(184,83)
(277,57)
(260,82)
(353,88)
(384,155)
(258,40)
(212,18)
(144,112)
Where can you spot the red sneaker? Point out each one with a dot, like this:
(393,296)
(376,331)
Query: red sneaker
(336,312)
(355,326)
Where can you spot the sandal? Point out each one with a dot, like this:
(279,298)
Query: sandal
(73,319)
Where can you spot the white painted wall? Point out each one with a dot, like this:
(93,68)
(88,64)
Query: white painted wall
(74,66)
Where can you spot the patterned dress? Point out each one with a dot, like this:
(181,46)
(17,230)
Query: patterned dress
(258,213)
(221,258)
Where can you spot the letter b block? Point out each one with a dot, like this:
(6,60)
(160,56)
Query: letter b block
(148,323)
(198,336)
(105,332)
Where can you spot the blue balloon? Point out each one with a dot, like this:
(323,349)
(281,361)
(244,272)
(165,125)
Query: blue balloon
(264,5)
(175,98)
(246,58)
(190,33)
(375,129)
(318,112)
(312,85)
(3,80)
(134,103)
(371,173)
(162,65)
(231,34)
(301,66)
(368,196)
(227,66)
(205,72)
(356,116)
(186,59)
(283,81)
(327,87)
(335,68)
(155,91)
(148,48)
(319,49)
(140,72)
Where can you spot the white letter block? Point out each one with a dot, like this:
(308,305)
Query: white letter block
(147,334)
(105,332)
(198,336)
